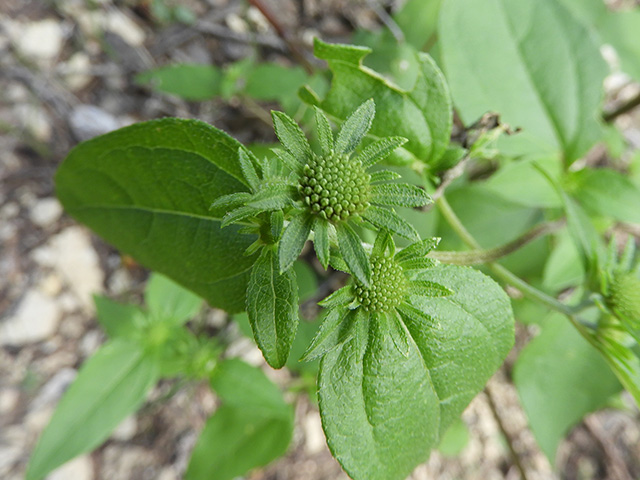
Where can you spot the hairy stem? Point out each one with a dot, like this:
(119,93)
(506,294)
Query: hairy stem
(498,270)
(477,257)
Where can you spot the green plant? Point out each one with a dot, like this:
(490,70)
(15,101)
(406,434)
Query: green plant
(415,332)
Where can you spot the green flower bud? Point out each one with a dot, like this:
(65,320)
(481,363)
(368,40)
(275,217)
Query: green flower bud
(387,289)
(625,297)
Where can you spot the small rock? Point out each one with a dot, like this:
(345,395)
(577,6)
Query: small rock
(123,26)
(126,430)
(88,121)
(90,343)
(120,281)
(35,120)
(51,285)
(314,437)
(77,74)
(39,40)
(36,318)
(9,455)
(8,400)
(80,468)
(168,474)
(71,254)
(46,212)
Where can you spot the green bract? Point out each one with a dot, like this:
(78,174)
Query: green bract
(327,192)
(395,283)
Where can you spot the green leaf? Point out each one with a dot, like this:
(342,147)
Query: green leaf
(293,239)
(463,338)
(560,378)
(540,68)
(337,327)
(270,81)
(191,82)
(353,253)
(425,288)
(253,427)
(522,183)
(168,301)
(418,20)
(325,134)
(563,267)
(454,440)
(379,410)
(607,193)
(418,264)
(111,385)
(228,202)
(287,159)
(239,384)
(118,319)
(237,215)
(417,250)
(291,136)
(623,356)
(355,127)
(399,334)
(321,241)
(147,188)
(399,195)
(384,176)
(274,196)
(272,306)
(378,151)
(338,298)
(422,114)
(387,218)
(248,170)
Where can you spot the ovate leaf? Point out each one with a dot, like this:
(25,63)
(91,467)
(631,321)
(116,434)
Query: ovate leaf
(607,193)
(463,338)
(379,411)
(560,378)
(272,306)
(147,189)
(110,386)
(540,69)
(422,114)
(118,319)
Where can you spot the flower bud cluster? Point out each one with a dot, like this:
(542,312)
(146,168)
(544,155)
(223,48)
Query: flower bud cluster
(335,187)
(387,289)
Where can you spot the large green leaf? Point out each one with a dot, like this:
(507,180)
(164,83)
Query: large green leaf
(466,342)
(560,378)
(383,408)
(539,67)
(379,411)
(422,114)
(608,193)
(110,386)
(147,189)
(252,427)
(620,29)
(272,307)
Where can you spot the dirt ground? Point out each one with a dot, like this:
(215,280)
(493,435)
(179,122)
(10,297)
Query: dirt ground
(66,74)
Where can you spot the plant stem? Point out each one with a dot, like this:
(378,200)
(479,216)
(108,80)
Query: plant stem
(501,272)
(476,257)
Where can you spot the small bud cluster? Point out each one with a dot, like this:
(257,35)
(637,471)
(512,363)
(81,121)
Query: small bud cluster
(625,296)
(388,286)
(335,187)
